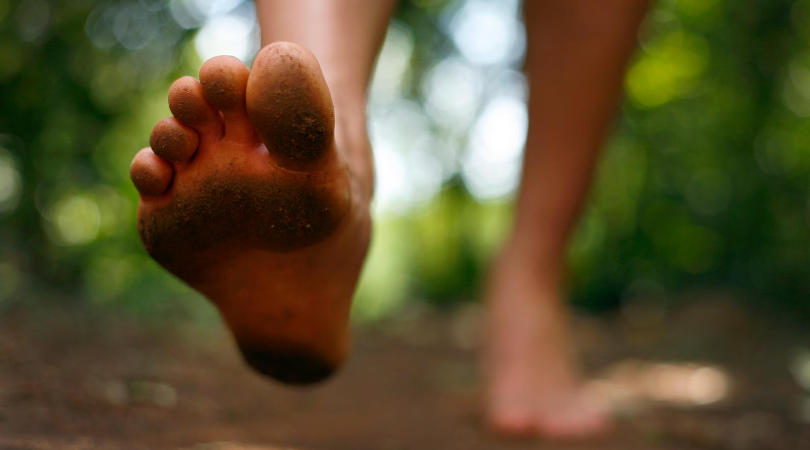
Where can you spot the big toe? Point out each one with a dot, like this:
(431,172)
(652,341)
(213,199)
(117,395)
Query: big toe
(290,106)
(511,422)
(574,425)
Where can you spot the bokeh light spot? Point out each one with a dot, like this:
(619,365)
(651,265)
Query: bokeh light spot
(76,220)
(668,69)
(800,368)
(33,17)
(132,26)
(452,90)
(392,65)
(491,168)
(233,34)
(488,32)
(10,279)
(10,183)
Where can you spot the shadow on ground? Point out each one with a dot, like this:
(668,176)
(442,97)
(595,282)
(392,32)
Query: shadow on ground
(709,376)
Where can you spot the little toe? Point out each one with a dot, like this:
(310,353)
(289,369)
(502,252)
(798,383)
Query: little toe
(150,173)
(173,141)
(188,104)
(224,82)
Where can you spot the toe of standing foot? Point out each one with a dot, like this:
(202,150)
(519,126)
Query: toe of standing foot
(573,423)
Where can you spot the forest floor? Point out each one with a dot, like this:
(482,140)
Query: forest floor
(710,375)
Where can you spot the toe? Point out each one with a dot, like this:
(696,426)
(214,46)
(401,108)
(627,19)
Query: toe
(172,140)
(224,82)
(511,423)
(188,104)
(289,104)
(574,426)
(150,173)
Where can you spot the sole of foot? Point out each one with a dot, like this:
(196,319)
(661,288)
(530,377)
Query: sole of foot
(532,385)
(247,197)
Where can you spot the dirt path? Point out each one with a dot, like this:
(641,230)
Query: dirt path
(69,381)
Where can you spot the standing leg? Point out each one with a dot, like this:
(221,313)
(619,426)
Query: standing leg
(577,51)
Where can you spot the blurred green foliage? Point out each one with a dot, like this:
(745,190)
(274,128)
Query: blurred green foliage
(704,182)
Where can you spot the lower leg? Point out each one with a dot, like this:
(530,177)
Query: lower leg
(575,62)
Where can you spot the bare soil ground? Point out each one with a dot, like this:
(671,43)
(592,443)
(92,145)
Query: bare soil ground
(72,380)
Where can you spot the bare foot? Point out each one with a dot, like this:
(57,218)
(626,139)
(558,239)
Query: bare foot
(248,194)
(532,385)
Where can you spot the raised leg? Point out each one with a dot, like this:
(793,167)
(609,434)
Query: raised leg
(256,192)
(577,51)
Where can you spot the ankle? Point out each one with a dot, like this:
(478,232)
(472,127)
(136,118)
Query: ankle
(351,136)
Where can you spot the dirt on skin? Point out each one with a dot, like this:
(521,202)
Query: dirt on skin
(172,140)
(72,380)
(260,213)
(291,106)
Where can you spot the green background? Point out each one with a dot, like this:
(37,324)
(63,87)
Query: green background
(702,185)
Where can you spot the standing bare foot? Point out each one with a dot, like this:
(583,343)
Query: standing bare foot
(533,387)
(250,195)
